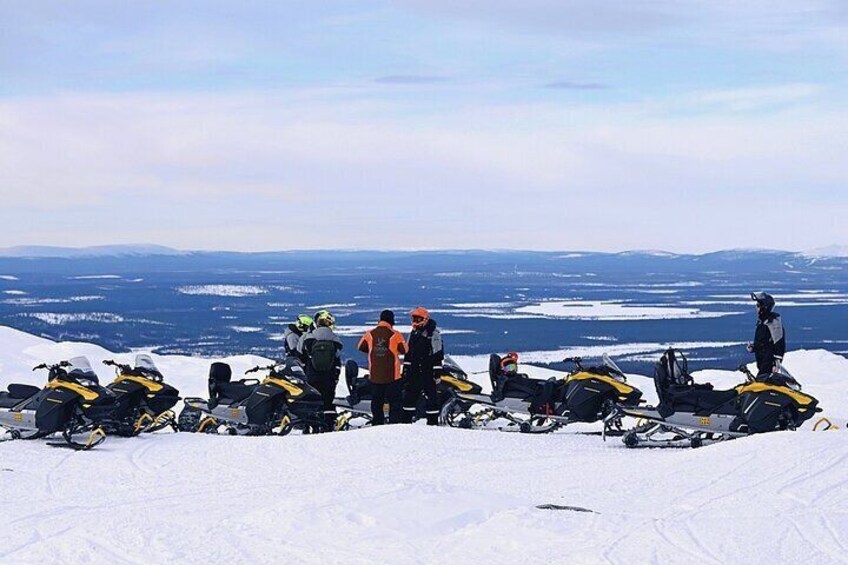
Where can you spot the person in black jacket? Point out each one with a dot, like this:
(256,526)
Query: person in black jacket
(769,337)
(421,366)
(291,338)
(321,349)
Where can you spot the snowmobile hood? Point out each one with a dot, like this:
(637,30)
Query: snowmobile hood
(84,392)
(799,397)
(294,390)
(622,388)
(145,382)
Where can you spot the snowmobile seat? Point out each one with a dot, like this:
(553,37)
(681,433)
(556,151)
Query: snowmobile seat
(229,393)
(22,391)
(8,401)
(516,386)
(678,391)
(700,399)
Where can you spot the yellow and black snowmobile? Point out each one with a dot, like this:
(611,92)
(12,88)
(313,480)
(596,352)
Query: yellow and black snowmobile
(691,415)
(521,403)
(72,404)
(143,400)
(276,405)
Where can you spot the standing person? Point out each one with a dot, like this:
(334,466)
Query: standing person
(291,338)
(321,349)
(384,346)
(769,337)
(421,364)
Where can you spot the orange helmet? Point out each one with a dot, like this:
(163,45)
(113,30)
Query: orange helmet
(509,363)
(420,316)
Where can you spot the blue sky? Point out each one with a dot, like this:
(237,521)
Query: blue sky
(542,124)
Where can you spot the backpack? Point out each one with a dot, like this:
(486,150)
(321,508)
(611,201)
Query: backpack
(322,358)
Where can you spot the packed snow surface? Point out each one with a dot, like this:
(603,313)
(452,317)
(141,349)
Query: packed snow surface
(613,310)
(231,290)
(401,494)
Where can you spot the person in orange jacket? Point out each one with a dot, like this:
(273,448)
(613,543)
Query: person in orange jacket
(384,346)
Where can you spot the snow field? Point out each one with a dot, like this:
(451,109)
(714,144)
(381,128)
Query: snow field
(413,494)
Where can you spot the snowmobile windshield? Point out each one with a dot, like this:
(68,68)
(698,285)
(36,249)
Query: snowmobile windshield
(145,365)
(615,371)
(80,369)
(786,379)
(291,370)
(453,367)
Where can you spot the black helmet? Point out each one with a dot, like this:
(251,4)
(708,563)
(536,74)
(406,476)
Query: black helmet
(764,300)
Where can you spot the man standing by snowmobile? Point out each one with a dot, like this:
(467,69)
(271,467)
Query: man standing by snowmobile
(384,346)
(321,349)
(303,325)
(769,337)
(421,365)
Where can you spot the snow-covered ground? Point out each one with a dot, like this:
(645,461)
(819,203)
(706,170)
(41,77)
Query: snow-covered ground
(402,494)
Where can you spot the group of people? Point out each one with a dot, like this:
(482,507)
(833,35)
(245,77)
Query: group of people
(401,370)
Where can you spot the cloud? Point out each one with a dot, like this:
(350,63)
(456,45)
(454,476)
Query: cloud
(573,85)
(255,171)
(409,79)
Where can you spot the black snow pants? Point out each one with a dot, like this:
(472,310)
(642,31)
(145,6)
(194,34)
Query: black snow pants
(380,395)
(418,381)
(325,383)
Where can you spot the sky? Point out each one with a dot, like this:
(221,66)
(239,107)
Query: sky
(425,124)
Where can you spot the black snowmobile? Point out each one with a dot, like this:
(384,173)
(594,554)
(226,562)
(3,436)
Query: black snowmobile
(281,402)
(72,403)
(355,408)
(520,403)
(143,400)
(690,414)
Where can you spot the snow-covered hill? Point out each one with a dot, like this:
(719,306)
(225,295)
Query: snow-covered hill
(402,494)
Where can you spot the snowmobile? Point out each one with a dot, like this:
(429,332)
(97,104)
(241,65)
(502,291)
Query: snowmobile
(71,403)
(276,405)
(587,394)
(356,406)
(143,400)
(691,415)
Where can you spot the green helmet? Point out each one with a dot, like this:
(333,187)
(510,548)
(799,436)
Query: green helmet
(303,322)
(324,318)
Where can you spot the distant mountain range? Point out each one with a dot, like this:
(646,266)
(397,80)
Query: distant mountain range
(139,250)
(25,251)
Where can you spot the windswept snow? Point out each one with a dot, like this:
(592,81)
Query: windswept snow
(231,290)
(58,319)
(613,310)
(244,329)
(401,494)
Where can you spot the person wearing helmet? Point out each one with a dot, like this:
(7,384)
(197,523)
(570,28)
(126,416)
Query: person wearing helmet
(321,350)
(769,343)
(301,326)
(384,345)
(421,366)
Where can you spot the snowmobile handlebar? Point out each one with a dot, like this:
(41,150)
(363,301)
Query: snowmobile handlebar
(55,366)
(576,360)
(112,363)
(261,368)
(743,368)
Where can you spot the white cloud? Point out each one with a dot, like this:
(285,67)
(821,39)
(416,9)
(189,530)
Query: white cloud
(311,169)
